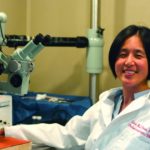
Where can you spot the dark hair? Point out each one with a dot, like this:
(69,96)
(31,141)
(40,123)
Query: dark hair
(144,34)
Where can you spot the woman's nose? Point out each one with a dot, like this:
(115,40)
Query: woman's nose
(129,60)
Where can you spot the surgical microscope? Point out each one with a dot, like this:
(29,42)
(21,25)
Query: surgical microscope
(19,65)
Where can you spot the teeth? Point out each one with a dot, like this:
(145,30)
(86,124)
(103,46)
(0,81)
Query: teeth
(129,72)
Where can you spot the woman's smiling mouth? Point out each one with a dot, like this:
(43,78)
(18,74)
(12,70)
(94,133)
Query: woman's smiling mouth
(130,72)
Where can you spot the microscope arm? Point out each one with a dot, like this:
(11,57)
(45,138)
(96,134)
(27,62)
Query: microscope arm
(79,42)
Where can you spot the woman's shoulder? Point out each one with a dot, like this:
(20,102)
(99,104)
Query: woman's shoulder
(106,96)
(110,93)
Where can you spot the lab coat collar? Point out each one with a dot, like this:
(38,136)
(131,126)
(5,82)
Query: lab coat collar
(136,104)
(107,105)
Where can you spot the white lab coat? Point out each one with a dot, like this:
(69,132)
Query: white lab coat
(128,131)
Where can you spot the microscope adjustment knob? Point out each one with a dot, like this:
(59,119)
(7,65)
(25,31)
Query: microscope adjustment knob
(14,66)
(16,80)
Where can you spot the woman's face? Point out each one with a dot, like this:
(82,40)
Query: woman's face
(131,66)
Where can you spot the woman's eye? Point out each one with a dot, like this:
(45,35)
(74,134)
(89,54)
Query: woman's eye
(122,55)
(139,55)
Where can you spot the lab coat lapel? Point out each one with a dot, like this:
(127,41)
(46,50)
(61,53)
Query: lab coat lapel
(107,104)
(107,109)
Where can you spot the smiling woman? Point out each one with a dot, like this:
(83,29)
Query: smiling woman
(130,64)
